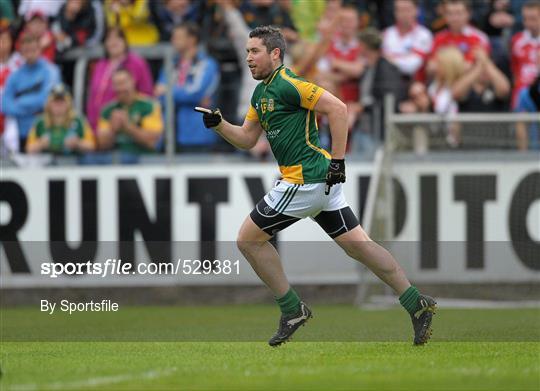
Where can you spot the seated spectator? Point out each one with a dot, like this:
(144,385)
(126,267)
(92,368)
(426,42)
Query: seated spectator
(194,83)
(60,130)
(118,55)
(132,123)
(380,78)
(407,44)
(342,66)
(449,66)
(268,12)
(38,25)
(133,17)
(74,25)
(28,87)
(483,88)
(49,8)
(528,136)
(526,49)
(459,34)
(9,62)
(169,13)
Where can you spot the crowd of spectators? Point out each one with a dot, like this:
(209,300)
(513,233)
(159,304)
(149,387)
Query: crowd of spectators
(445,57)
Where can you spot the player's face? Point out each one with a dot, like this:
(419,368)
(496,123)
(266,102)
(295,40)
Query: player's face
(456,15)
(405,12)
(258,59)
(531,19)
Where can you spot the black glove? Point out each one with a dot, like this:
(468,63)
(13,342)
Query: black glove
(211,118)
(335,174)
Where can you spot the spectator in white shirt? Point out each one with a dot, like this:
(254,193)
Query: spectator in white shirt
(407,43)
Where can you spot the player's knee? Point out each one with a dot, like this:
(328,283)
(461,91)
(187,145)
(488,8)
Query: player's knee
(353,252)
(245,245)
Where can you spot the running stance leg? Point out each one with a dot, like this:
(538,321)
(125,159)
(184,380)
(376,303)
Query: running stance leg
(343,227)
(265,261)
(358,245)
(254,244)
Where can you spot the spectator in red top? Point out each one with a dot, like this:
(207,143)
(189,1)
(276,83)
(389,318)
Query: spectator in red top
(526,49)
(37,24)
(460,33)
(342,65)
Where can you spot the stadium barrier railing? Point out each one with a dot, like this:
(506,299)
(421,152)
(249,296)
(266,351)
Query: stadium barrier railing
(426,137)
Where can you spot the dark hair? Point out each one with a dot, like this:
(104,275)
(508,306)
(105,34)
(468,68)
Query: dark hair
(350,7)
(123,70)
(532,4)
(118,31)
(192,29)
(371,37)
(271,38)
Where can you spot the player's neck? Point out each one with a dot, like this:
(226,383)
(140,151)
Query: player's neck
(268,78)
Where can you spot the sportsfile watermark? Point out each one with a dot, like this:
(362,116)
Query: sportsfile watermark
(116,267)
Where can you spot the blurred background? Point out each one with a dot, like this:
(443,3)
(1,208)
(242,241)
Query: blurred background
(102,155)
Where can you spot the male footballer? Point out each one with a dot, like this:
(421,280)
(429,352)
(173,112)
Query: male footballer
(283,105)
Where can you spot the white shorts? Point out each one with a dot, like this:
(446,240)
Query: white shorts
(288,203)
(306,200)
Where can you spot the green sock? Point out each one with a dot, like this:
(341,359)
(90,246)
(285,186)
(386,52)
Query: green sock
(289,303)
(409,299)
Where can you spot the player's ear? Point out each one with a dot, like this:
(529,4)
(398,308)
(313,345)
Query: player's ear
(275,53)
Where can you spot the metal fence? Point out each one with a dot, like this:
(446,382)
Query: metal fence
(426,132)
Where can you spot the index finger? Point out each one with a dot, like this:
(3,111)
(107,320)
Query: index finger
(203,110)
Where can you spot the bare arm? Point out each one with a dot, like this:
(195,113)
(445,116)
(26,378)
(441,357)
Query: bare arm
(351,69)
(142,136)
(336,111)
(243,137)
(462,86)
(522,136)
(499,80)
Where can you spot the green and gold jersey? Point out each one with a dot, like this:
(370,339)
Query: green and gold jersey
(144,112)
(78,127)
(283,104)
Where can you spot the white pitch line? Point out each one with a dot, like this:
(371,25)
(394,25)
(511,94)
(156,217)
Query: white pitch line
(378,302)
(94,381)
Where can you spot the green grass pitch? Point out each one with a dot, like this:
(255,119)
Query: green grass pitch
(225,348)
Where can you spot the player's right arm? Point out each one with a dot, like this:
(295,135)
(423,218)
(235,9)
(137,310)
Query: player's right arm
(242,137)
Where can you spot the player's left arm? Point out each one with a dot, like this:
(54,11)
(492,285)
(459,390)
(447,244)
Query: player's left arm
(336,111)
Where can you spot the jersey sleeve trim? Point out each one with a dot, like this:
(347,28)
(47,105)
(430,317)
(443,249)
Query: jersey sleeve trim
(252,114)
(309,92)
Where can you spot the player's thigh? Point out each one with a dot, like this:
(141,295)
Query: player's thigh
(264,222)
(359,245)
(338,223)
